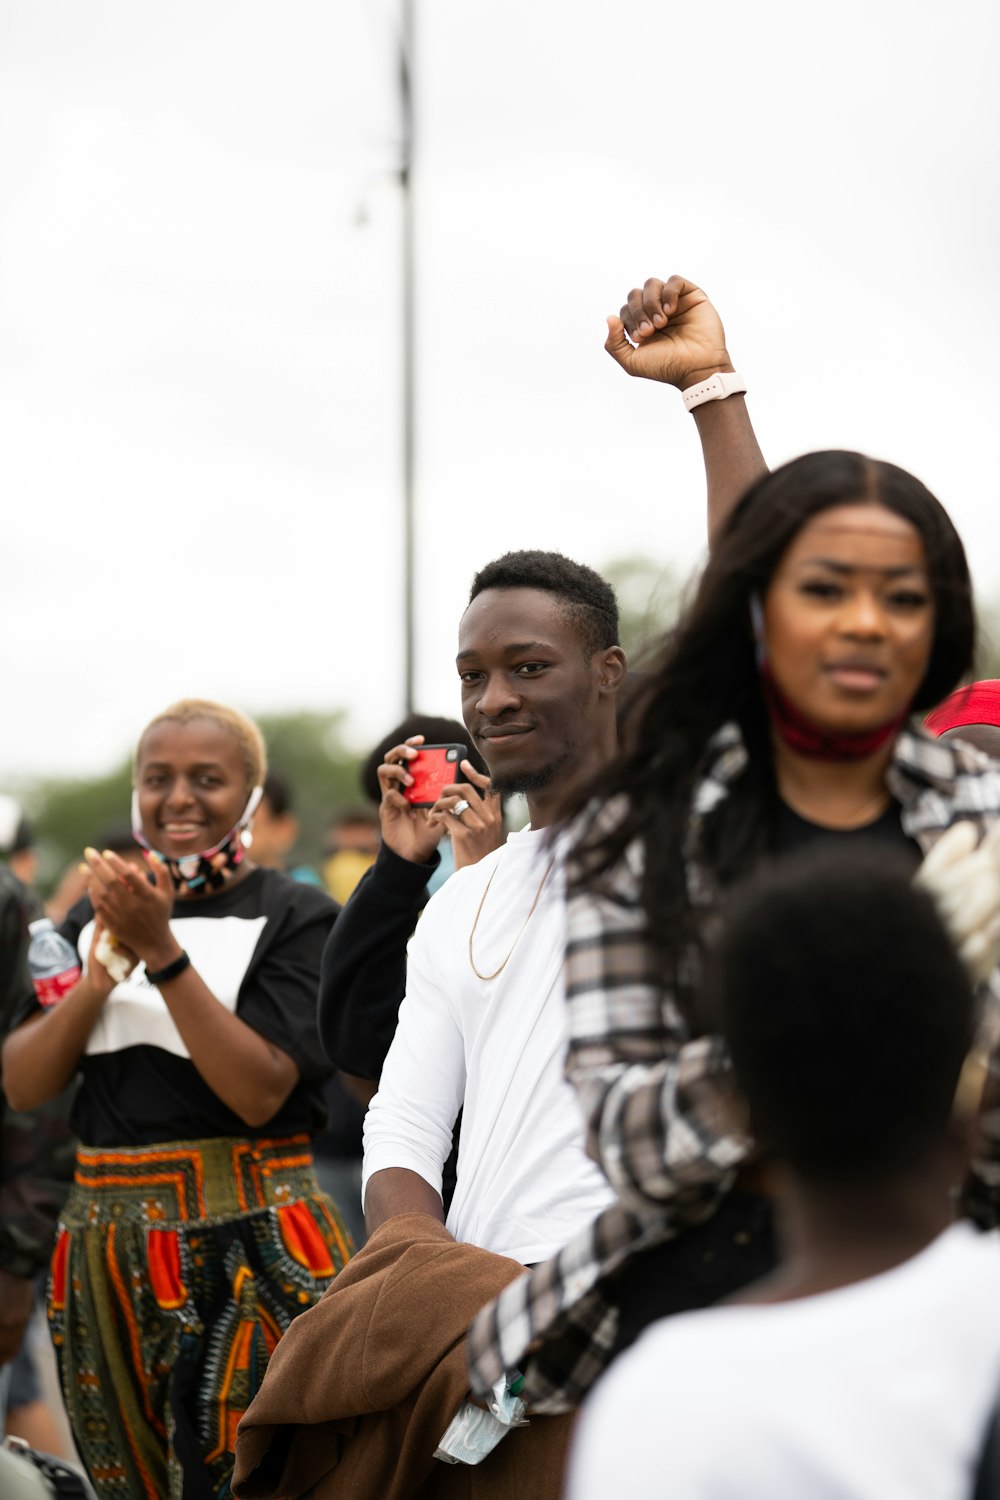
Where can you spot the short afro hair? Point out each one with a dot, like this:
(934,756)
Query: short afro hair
(847,1012)
(588,599)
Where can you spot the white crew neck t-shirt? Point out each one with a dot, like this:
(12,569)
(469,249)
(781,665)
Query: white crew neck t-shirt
(496,1048)
(877,1391)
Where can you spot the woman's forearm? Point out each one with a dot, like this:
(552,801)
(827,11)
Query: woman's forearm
(250,1074)
(41,1056)
(733,460)
(397,1190)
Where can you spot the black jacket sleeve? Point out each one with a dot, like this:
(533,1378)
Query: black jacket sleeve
(36,1149)
(363,973)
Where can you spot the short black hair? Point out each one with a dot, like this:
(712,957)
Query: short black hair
(435,730)
(588,598)
(847,1012)
(277,794)
(118,837)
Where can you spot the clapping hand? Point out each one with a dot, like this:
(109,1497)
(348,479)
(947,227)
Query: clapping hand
(136,910)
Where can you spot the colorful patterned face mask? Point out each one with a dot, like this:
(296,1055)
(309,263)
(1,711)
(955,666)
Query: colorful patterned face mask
(211,868)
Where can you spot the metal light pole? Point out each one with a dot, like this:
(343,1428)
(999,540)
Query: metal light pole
(406,84)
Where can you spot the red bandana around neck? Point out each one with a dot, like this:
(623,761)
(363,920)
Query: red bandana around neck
(808,739)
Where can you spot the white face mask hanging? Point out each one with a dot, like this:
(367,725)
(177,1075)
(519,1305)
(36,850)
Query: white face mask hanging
(209,869)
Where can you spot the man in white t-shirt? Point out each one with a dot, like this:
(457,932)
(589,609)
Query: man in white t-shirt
(868,1366)
(482,1027)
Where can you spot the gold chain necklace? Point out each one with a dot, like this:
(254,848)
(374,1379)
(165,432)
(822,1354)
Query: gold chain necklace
(479,909)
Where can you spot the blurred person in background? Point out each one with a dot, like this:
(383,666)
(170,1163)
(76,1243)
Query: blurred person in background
(276,830)
(36,1157)
(195,1231)
(352,843)
(868,1365)
(18,908)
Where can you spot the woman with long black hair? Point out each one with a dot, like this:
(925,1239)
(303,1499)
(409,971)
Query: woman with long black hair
(836,604)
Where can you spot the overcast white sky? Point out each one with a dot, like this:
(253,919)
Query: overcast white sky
(199,312)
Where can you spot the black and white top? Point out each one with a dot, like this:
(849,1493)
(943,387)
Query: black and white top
(257,945)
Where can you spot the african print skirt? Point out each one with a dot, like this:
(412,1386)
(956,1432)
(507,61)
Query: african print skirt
(176,1270)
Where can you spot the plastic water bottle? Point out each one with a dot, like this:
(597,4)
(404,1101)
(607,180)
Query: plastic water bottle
(52,960)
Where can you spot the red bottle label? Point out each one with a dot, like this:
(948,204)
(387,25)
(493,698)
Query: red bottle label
(51,990)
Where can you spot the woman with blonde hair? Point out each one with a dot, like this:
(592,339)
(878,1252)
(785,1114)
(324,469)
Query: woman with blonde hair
(195,1230)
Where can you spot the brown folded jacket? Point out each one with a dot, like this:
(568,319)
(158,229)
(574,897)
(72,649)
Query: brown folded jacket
(361,1388)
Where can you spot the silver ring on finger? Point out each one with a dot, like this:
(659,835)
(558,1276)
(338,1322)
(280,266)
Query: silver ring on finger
(460,807)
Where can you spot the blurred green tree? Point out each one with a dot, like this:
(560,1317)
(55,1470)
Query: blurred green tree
(67,815)
(650,595)
(988,652)
(309,751)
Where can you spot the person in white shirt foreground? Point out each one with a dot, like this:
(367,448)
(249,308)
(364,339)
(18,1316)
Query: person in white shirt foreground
(867,1367)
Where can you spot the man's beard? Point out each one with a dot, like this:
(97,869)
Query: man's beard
(530,781)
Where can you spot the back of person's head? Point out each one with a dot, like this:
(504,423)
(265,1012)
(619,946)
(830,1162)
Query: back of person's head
(587,597)
(435,730)
(847,1012)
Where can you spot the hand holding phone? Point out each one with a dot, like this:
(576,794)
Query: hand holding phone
(434,768)
(472,816)
(406,827)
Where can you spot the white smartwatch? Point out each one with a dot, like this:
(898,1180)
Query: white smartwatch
(716,388)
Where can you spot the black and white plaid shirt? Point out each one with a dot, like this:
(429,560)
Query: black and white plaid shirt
(655,1097)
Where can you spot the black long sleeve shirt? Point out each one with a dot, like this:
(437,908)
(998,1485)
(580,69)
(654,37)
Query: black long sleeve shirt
(363,972)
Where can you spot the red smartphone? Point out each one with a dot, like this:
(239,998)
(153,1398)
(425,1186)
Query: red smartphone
(435,767)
